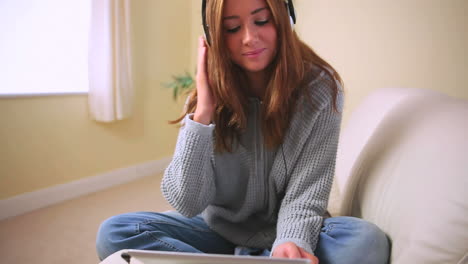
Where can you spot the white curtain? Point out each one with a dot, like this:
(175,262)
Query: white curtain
(110,71)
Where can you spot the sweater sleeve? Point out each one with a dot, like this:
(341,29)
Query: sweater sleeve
(188,182)
(307,192)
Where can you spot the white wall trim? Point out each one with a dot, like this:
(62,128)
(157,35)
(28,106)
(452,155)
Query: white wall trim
(41,94)
(27,202)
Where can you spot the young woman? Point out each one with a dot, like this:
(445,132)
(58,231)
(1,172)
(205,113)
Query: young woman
(255,156)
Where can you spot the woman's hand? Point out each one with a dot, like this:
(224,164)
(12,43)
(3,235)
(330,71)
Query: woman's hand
(206,103)
(290,250)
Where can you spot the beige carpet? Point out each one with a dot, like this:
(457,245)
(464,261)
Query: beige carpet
(65,233)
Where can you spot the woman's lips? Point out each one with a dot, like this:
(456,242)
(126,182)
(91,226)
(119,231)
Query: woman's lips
(254,53)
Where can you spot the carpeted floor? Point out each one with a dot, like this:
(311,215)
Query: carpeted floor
(65,233)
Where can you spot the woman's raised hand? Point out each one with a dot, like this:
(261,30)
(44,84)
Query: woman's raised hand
(206,103)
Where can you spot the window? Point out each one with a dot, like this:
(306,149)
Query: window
(44,46)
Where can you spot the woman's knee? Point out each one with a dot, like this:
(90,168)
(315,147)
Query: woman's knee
(105,239)
(141,230)
(372,241)
(114,233)
(356,238)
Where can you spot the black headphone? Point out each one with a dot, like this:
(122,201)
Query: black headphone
(288,3)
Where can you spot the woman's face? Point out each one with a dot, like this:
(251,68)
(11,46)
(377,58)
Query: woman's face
(249,33)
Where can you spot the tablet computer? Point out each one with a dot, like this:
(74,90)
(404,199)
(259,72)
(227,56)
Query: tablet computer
(161,257)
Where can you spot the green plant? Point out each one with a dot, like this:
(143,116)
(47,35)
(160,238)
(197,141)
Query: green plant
(180,84)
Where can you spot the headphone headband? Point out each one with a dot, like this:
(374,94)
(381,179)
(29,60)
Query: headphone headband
(289,5)
(291,11)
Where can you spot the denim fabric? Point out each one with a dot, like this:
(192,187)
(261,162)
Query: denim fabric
(352,240)
(342,240)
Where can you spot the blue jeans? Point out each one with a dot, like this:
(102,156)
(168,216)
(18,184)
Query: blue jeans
(342,240)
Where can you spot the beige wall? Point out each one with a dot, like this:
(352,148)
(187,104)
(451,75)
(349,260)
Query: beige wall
(374,44)
(50,140)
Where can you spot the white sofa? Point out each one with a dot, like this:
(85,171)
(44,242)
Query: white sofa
(403,164)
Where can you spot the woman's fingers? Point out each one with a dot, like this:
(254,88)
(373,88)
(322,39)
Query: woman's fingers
(307,255)
(287,250)
(201,63)
(292,251)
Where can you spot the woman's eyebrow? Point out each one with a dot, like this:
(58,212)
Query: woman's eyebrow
(257,10)
(252,13)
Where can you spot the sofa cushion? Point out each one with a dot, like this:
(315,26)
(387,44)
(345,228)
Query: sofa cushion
(409,174)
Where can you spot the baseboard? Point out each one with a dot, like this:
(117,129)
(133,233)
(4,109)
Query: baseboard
(27,202)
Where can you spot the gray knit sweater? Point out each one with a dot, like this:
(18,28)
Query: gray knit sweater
(257,197)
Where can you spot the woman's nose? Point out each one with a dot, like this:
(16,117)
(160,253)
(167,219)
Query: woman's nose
(250,35)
